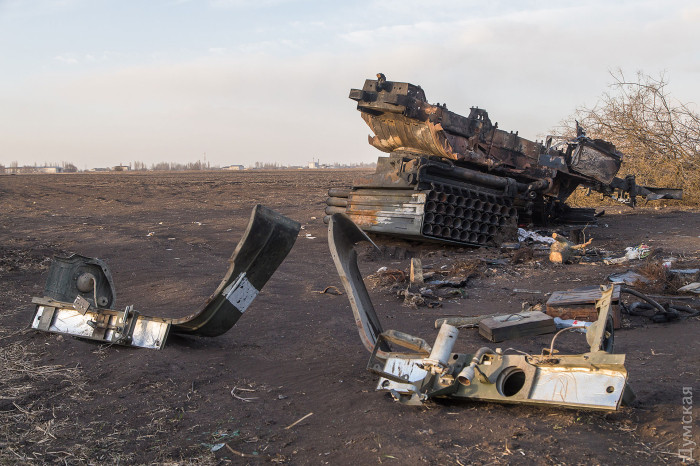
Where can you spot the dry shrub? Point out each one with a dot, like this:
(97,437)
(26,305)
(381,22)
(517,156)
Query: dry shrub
(658,135)
(466,268)
(661,279)
(386,278)
(658,276)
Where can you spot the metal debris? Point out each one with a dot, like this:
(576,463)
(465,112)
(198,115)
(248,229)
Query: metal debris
(79,292)
(458,179)
(596,379)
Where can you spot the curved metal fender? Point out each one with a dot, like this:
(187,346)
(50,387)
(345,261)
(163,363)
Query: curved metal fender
(343,234)
(266,242)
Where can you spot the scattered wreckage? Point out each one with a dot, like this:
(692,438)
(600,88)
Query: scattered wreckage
(596,379)
(457,179)
(79,295)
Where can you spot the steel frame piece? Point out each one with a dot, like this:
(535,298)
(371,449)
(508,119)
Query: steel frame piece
(596,379)
(67,309)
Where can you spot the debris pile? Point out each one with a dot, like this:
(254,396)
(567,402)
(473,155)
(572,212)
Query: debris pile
(426,285)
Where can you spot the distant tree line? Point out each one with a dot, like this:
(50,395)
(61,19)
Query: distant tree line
(68,167)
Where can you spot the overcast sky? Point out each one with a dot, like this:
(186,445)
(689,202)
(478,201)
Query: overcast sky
(102,82)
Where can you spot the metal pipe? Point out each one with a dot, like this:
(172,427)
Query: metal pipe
(467,374)
(440,355)
(337,201)
(330,210)
(484,179)
(339,192)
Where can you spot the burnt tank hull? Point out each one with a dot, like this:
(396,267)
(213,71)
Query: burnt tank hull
(462,179)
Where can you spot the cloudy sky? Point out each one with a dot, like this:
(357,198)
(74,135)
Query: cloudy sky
(102,82)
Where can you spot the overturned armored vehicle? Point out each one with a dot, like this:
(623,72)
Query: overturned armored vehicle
(461,179)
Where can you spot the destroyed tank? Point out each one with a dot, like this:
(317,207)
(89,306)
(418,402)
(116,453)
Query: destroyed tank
(463,180)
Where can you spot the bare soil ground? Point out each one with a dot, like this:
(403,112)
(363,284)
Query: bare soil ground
(296,351)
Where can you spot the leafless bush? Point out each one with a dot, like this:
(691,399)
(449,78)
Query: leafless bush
(659,135)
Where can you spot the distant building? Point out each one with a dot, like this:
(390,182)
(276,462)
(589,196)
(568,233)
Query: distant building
(233,167)
(121,168)
(314,164)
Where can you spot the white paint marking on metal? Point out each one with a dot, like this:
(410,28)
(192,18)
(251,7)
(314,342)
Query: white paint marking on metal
(240,293)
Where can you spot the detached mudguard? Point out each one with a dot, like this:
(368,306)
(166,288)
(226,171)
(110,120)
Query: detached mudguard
(266,242)
(79,291)
(596,379)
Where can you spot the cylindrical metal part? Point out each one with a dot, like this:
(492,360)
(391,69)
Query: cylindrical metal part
(441,208)
(429,217)
(455,234)
(327,219)
(464,235)
(481,239)
(448,221)
(430,206)
(451,198)
(427,229)
(438,219)
(330,210)
(459,212)
(484,228)
(339,192)
(473,237)
(477,177)
(478,204)
(432,195)
(476,216)
(492,230)
(445,341)
(337,201)
(445,232)
(461,201)
(449,209)
(457,223)
(442,197)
